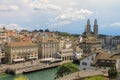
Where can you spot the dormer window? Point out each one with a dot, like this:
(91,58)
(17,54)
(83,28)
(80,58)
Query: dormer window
(113,61)
(108,61)
(102,60)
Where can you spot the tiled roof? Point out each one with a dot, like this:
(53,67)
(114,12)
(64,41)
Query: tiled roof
(102,55)
(49,39)
(21,44)
(91,40)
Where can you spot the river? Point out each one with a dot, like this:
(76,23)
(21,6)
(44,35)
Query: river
(47,74)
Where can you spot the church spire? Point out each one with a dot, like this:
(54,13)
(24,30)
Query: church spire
(88,22)
(95,27)
(95,22)
(88,28)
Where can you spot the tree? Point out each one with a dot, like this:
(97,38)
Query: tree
(41,30)
(46,30)
(65,69)
(112,72)
(65,34)
(21,78)
(95,78)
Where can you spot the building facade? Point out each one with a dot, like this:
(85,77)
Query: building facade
(86,62)
(47,47)
(105,60)
(115,40)
(3,34)
(20,51)
(66,55)
(90,44)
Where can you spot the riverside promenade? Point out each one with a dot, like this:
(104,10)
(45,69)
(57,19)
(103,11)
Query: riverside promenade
(24,67)
(80,75)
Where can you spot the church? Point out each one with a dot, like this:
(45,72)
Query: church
(89,42)
(87,32)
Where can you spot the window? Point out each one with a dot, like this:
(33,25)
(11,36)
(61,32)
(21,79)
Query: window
(92,58)
(91,64)
(113,61)
(84,68)
(108,61)
(84,63)
(102,61)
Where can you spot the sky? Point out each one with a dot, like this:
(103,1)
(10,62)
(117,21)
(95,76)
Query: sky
(61,15)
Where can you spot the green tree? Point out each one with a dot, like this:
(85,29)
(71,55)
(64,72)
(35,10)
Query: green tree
(95,78)
(65,69)
(47,30)
(112,72)
(65,34)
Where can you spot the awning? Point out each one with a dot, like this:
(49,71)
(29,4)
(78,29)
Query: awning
(16,60)
(32,57)
(47,59)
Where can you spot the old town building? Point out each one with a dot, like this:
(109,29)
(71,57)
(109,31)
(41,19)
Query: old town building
(90,44)
(20,51)
(66,55)
(89,41)
(47,47)
(3,33)
(105,60)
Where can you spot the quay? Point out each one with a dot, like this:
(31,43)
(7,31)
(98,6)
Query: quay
(81,75)
(25,67)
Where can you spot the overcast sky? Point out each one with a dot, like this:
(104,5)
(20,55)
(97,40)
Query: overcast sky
(62,15)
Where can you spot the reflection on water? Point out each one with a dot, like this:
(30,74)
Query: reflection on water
(47,74)
(21,77)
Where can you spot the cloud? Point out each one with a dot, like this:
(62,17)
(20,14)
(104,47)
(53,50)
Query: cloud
(11,26)
(72,14)
(40,5)
(5,8)
(59,23)
(69,15)
(115,24)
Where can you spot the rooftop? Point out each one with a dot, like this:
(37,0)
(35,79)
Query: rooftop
(90,40)
(47,40)
(103,55)
(21,44)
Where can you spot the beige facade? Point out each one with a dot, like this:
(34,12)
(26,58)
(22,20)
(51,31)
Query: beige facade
(20,51)
(62,44)
(118,48)
(48,47)
(90,44)
(66,55)
(2,56)
(3,33)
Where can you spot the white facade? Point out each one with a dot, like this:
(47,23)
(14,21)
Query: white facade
(86,63)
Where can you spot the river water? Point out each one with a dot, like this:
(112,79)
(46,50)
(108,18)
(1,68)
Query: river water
(47,74)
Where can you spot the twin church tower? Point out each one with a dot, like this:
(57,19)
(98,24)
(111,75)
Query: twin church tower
(88,31)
